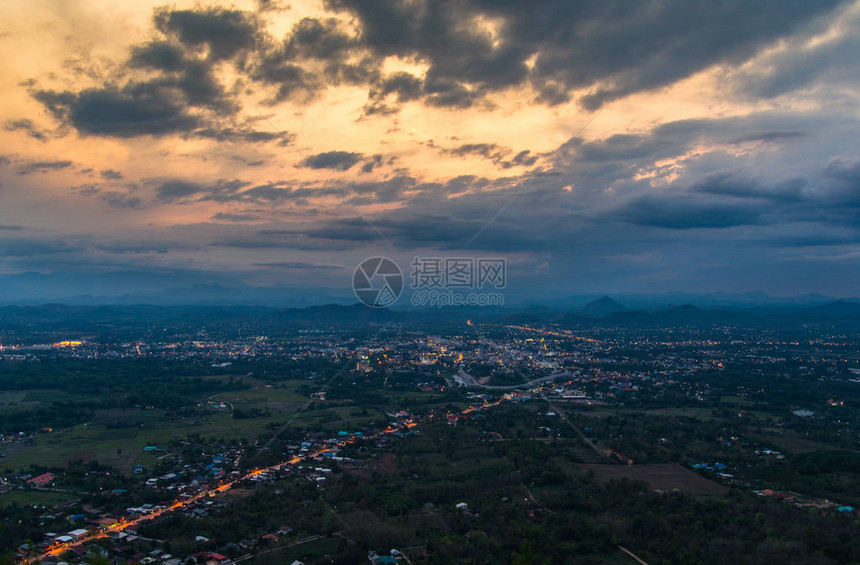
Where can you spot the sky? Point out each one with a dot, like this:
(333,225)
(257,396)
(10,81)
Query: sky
(598,147)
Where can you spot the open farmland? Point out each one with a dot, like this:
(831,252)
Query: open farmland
(661,476)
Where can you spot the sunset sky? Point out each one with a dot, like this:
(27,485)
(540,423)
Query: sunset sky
(611,146)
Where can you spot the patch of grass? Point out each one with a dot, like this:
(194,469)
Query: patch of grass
(8,396)
(663,476)
(735,400)
(789,442)
(35,497)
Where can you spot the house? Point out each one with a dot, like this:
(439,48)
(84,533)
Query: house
(42,480)
(217,559)
(284,531)
(78,534)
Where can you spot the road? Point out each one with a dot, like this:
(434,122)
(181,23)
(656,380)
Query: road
(471,382)
(633,555)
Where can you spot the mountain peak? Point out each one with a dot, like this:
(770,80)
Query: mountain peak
(603,306)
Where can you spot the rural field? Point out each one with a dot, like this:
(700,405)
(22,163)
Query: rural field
(661,476)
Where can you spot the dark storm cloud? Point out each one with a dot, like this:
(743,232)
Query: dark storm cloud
(439,33)
(177,189)
(556,46)
(169,103)
(523,158)
(134,110)
(291,81)
(403,86)
(630,147)
(110,174)
(613,47)
(802,64)
(158,55)
(224,32)
(292,66)
(193,77)
(486,150)
(371,163)
(318,39)
(184,94)
(406,86)
(679,212)
(25,126)
(172,190)
(495,153)
(731,184)
(30,167)
(338,160)
(452,96)
(201,88)
(361,72)
(389,190)
(118,199)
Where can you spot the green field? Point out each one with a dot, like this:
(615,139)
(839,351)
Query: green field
(35,497)
(117,436)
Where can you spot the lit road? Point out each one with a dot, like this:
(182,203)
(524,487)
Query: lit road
(179,504)
(555,334)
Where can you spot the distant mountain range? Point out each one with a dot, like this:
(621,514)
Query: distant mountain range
(602,312)
(193,288)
